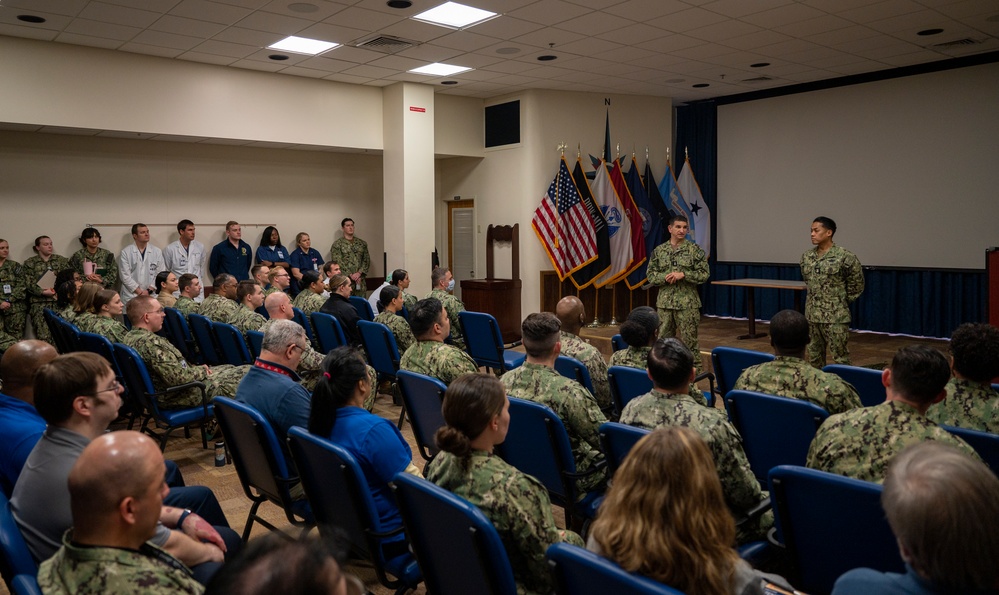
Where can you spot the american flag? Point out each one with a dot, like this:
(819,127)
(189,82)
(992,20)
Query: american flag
(563,225)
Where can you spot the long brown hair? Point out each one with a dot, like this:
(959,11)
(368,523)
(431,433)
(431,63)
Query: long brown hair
(664,515)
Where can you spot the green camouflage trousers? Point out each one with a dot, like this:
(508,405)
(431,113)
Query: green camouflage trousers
(835,335)
(38,323)
(12,328)
(682,324)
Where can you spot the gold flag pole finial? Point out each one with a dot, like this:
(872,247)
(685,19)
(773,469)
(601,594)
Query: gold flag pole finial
(578,150)
(619,150)
(667,156)
(632,150)
(685,154)
(561,148)
(646,153)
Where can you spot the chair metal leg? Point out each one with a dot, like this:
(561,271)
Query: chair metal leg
(402,416)
(249,520)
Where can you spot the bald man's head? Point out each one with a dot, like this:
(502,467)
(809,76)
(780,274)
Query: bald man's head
(278,306)
(571,314)
(19,364)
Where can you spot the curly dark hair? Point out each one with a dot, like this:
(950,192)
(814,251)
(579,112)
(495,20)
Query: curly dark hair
(975,348)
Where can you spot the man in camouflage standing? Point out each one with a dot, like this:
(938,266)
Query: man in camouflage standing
(44,260)
(13,305)
(572,315)
(442,282)
(678,267)
(221,305)
(971,401)
(835,279)
(352,254)
(430,355)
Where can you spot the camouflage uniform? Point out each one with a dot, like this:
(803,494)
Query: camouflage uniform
(218,308)
(834,280)
(794,378)
(409,301)
(168,368)
(577,347)
(308,302)
(968,405)
(34,268)
(12,290)
(679,303)
(452,306)
(67,313)
(862,442)
(638,357)
(742,492)
(438,360)
(103,259)
(352,256)
(186,306)
(77,570)
(573,404)
(246,319)
(108,327)
(399,327)
(515,503)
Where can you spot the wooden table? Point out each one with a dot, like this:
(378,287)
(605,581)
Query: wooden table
(751,285)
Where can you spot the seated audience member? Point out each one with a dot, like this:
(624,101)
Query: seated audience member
(861,442)
(338,414)
(377,292)
(442,282)
(166,284)
(221,305)
(572,315)
(190,288)
(67,284)
(271,252)
(105,308)
(250,297)
(232,255)
(477,413)
(640,330)
(430,355)
(83,303)
(400,278)
(310,298)
(279,279)
(167,366)
(538,381)
(664,517)
(20,424)
(259,274)
(303,258)
(116,492)
(339,306)
(391,302)
(943,507)
(671,367)
(78,397)
(273,564)
(971,401)
(94,263)
(331,268)
(789,375)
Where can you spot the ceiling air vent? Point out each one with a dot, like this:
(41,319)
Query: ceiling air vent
(957,43)
(385,44)
(759,79)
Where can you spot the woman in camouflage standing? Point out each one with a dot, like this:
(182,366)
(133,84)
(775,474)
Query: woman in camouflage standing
(105,265)
(13,307)
(44,260)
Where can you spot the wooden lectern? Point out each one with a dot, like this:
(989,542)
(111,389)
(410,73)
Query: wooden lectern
(499,297)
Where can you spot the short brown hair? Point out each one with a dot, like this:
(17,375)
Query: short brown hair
(60,381)
(541,333)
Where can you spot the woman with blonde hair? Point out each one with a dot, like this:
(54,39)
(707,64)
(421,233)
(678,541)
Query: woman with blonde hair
(83,303)
(106,309)
(664,517)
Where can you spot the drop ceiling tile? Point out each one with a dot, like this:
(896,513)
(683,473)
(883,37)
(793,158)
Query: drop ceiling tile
(118,15)
(644,10)
(862,67)
(380,83)
(686,20)
(416,30)
(251,4)
(835,6)
(274,23)
(917,57)
(184,26)
(352,54)
(166,40)
(594,23)
(258,65)
(160,6)
(333,32)
(347,78)
(27,32)
(505,27)
(429,52)
(756,40)
(96,42)
(913,22)
(265,54)
(822,24)
(879,10)
(465,41)
(968,8)
(549,12)
(589,47)
(408,77)
(223,48)
(740,8)
(326,64)
(549,35)
(783,15)
(372,72)
(597,4)
(361,18)
(53,21)
(61,7)
(510,67)
(627,54)
(853,33)
(382,6)
(207,58)
(102,30)
(242,36)
(150,50)
(896,49)
(400,63)
(633,33)
(323,9)
(477,60)
(670,43)
(210,11)
(721,32)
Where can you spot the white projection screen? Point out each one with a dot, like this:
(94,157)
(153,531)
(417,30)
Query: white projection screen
(908,168)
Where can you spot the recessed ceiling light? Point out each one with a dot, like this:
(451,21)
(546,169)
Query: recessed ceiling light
(449,82)
(759,65)
(278,57)
(30,18)
(439,69)
(926,32)
(303,45)
(452,14)
(701,85)
(303,7)
(547,58)
(399,3)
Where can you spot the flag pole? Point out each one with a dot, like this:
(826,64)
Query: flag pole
(596,309)
(613,321)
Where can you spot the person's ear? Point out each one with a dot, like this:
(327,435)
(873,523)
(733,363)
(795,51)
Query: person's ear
(886,377)
(82,405)
(126,508)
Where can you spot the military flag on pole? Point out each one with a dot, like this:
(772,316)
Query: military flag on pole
(563,225)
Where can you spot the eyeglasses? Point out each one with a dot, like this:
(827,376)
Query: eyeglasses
(296,345)
(115,387)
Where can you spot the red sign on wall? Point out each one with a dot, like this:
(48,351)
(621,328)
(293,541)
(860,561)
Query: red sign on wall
(413,108)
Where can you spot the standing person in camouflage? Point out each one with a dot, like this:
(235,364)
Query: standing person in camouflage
(102,262)
(430,355)
(477,414)
(167,366)
(971,401)
(221,305)
(44,260)
(572,315)
(352,254)
(536,380)
(678,267)
(442,282)
(250,297)
(835,279)
(190,288)
(860,443)
(391,301)
(116,488)
(13,303)
(310,299)
(789,375)
(671,366)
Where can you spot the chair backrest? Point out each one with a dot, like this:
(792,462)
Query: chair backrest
(179,334)
(201,329)
(457,547)
(52,320)
(626,383)
(255,339)
(482,338)
(25,584)
(574,369)
(363,307)
(329,333)
(379,343)
(70,335)
(232,344)
(775,430)
(830,524)
(15,558)
(618,343)
(867,382)
(581,572)
(985,444)
(729,362)
(617,440)
(100,345)
(263,312)
(423,396)
(537,444)
(256,451)
(135,376)
(304,322)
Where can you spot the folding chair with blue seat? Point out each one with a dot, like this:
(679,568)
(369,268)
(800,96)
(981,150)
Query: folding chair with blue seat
(627,383)
(830,524)
(578,571)
(775,430)
(70,335)
(255,339)
(263,312)
(100,345)
(204,337)
(344,508)
(363,307)
(260,462)
(985,444)
(485,342)
(139,385)
(537,444)
(25,584)
(457,547)
(232,344)
(303,321)
(55,329)
(383,353)
(179,334)
(422,396)
(15,558)
(329,333)
(729,362)
(867,382)
(617,440)
(618,343)
(574,369)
